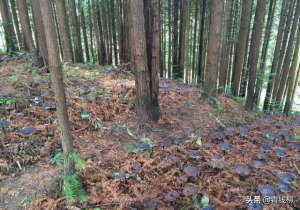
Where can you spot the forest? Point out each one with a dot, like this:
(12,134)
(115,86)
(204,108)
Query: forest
(149,104)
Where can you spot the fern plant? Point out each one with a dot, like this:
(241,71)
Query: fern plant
(72,187)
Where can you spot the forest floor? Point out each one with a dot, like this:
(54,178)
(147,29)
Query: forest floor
(197,153)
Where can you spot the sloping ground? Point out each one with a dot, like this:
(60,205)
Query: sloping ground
(187,159)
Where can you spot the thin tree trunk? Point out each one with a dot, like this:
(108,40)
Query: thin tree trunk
(63,27)
(283,50)
(184,7)
(114,31)
(288,55)
(214,42)
(276,54)
(193,55)
(9,33)
(254,53)
(264,52)
(241,46)
(84,32)
(225,47)
(76,32)
(25,25)
(200,68)
(56,74)
(40,32)
(16,23)
(91,26)
(292,75)
(175,40)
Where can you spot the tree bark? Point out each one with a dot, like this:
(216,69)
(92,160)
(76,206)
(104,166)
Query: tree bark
(152,21)
(183,33)
(241,46)
(288,56)
(200,68)
(262,67)
(175,40)
(276,54)
(139,59)
(9,33)
(84,32)
(25,25)
(292,75)
(225,47)
(16,23)
(64,32)
(76,32)
(254,53)
(114,31)
(214,42)
(40,32)
(56,74)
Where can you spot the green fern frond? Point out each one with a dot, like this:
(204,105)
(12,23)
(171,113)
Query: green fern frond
(73,189)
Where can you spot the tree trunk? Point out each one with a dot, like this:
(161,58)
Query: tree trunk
(200,68)
(76,32)
(25,25)
(91,27)
(193,55)
(114,31)
(84,32)
(175,40)
(225,47)
(283,50)
(152,20)
(64,32)
(292,75)
(241,46)
(214,42)
(183,33)
(56,74)
(276,54)
(254,53)
(288,56)
(40,32)
(262,67)
(9,33)
(16,23)
(139,59)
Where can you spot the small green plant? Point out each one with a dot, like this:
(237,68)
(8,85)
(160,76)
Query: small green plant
(200,201)
(72,187)
(214,101)
(7,101)
(36,74)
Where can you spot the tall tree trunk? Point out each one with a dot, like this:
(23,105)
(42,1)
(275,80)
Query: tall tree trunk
(288,56)
(91,27)
(97,30)
(184,7)
(25,25)
(103,49)
(76,32)
(283,50)
(114,31)
(214,42)
(170,40)
(139,59)
(193,55)
(175,40)
(9,33)
(200,68)
(84,32)
(56,74)
(64,32)
(262,67)
(16,23)
(292,75)
(40,32)
(225,47)
(276,54)
(254,53)
(152,20)
(241,46)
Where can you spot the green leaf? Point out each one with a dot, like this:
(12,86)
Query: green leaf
(132,149)
(36,74)
(58,159)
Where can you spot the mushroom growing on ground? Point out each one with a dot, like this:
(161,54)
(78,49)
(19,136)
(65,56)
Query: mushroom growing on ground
(27,131)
